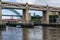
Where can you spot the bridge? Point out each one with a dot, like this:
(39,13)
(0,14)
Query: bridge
(15,5)
(26,7)
(47,10)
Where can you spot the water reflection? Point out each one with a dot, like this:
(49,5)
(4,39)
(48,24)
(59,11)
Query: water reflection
(13,33)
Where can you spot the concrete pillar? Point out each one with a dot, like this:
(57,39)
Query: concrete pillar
(0,21)
(45,33)
(0,13)
(58,20)
(45,17)
(26,15)
(26,18)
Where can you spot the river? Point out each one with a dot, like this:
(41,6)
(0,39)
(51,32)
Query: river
(14,33)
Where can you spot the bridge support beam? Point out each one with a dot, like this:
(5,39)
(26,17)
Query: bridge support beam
(58,20)
(45,17)
(26,14)
(26,18)
(0,13)
(0,21)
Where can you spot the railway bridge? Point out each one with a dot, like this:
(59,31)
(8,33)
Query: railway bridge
(47,10)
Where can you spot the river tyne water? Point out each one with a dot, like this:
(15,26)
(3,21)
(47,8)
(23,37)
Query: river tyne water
(14,33)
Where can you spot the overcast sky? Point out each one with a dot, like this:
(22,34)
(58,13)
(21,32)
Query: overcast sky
(39,2)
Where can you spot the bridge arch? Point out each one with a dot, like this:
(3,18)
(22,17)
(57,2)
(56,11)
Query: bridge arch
(18,14)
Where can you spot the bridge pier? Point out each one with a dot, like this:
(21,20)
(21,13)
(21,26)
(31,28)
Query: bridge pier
(58,20)
(26,18)
(46,30)
(26,14)
(0,13)
(45,17)
(0,21)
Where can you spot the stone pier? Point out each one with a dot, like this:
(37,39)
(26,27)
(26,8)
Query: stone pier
(0,21)
(58,20)
(26,18)
(0,13)
(45,17)
(50,33)
(26,15)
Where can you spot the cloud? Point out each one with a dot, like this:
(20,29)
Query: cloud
(4,0)
(21,1)
(25,1)
(39,2)
(53,2)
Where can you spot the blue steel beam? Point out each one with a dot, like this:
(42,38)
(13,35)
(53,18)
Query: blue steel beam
(13,15)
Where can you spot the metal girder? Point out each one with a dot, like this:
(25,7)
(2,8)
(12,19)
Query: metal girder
(13,15)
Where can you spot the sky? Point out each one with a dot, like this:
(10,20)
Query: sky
(39,2)
(35,2)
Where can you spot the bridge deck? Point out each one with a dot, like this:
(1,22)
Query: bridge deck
(14,5)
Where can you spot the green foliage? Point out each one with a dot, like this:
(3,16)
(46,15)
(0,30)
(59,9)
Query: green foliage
(33,18)
(36,19)
(53,16)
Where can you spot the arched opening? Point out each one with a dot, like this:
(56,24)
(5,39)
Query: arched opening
(8,13)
